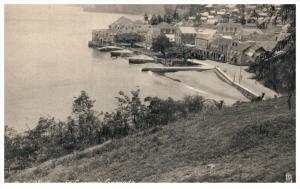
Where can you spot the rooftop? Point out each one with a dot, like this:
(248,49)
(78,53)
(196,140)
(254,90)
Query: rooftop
(188,30)
(267,45)
(220,41)
(241,47)
(248,31)
(206,34)
(123,21)
(230,24)
(164,25)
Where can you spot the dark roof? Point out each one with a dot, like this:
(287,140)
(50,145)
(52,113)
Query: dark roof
(241,47)
(220,41)
(267,45)
(188,30)
(123,21)
(248,31)
(230,24)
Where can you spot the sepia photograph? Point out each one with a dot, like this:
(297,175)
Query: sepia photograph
(149,93)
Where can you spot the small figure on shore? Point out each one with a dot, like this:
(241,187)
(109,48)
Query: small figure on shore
(220,104)
(288,177)
(258,99)
(289,101)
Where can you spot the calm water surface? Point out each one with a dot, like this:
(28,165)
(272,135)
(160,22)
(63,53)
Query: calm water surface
(47,63)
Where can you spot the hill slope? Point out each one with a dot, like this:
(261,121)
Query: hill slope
(245,143)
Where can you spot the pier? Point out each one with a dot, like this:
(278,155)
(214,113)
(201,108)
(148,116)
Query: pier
(175,69)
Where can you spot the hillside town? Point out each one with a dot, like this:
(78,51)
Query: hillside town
(235,34)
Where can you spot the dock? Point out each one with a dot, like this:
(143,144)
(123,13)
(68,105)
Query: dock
(176,69)
(140,59)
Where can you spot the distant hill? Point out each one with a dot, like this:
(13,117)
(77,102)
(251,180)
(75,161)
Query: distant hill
(244,143)
(127,9)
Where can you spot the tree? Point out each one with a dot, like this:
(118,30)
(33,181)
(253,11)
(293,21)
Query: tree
(86,119)
(161,43)
(176,15)
(168,18)
(159,19)
(146,17)
(243,20)
(131,38)
(154,20)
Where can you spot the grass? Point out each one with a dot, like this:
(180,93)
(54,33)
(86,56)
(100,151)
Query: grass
(244,143)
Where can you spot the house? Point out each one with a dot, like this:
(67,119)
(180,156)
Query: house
(253,53)
(221,13)
(156,30)
(102,37)
(219,48)
(204,14)
(153,33)
(237,54)
(248,34)
(212,21)
(203,38)
(222,18)
(250,24)
(230,28)
(185,35)
(125,25)
(212,12)
(267,45)
(122,25)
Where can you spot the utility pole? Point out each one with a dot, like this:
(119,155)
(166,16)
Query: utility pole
(240,78)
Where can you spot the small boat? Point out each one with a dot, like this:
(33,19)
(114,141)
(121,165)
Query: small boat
(122,53)
(140,59)
(109,48)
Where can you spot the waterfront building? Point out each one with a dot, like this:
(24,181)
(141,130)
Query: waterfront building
(237,54)
(101,37)
(219,49)
(247,34)
(204,37)
(185,35)
(155,30)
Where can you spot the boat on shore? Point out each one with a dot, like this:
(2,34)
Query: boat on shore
(140,59)
(109,48)
(121,53)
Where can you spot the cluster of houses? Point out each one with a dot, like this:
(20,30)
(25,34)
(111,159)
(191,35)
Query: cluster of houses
(221,36)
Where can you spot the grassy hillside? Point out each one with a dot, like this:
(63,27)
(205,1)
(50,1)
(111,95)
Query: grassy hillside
(244,143)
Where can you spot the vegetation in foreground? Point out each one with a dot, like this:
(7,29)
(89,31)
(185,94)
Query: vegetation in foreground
(86,127)
(249,142)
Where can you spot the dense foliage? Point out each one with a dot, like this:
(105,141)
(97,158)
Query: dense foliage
(277,69)
(86,127)
(161,43)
